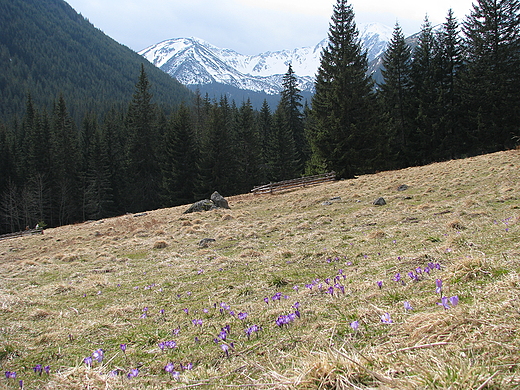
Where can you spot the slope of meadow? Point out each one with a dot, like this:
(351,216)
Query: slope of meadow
(274,301)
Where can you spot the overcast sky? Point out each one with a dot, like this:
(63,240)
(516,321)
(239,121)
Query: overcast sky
(251,26)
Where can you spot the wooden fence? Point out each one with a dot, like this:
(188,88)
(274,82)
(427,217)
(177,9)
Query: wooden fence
(294,183)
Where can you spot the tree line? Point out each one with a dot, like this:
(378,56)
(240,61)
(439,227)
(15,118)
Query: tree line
(455,94)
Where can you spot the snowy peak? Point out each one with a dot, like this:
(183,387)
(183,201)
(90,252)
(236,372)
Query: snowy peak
(193,61)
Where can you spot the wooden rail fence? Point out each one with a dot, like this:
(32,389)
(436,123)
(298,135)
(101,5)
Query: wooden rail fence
(294,183)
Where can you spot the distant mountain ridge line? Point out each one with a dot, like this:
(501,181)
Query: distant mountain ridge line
(193,61)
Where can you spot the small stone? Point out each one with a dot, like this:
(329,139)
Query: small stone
(379,202)
(402,187)
(204,243)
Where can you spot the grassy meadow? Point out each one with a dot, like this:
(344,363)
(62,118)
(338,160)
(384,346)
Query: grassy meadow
(315,288)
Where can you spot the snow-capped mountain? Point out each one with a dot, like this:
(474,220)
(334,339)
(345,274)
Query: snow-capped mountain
(195,62)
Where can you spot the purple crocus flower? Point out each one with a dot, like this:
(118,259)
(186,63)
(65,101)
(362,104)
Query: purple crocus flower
(397,277)
(186,310)
(438,285)
(123,347)
(38,369)
(454,300)
(133,373)
(10,374)
(380,284)
(444,303)
(407,306)
(385,318)
(169,367)
(20,383)
(225,348)
(98,355)
(47,369)
(88,361)
(296,288)
(354,325)
(242,316)
(266,300)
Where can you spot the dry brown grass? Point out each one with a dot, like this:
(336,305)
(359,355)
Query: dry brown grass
(82,287)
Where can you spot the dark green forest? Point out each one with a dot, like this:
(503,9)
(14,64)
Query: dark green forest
(47,49)
(456,94)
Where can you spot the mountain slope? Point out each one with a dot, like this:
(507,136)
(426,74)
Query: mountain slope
(195,62)
(46,48)
(141,281)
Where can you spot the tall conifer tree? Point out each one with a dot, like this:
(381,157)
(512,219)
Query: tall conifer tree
(448,64)
(143,171)
(492,79)
(181,159)
(396,93)
(339,136)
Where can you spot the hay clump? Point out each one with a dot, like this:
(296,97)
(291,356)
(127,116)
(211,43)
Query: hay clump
(160,244)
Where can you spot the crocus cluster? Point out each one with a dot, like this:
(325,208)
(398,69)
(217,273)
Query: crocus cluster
(287,319)
(167,345)
(10,374)
(39,369)
(445,302)
(252,329)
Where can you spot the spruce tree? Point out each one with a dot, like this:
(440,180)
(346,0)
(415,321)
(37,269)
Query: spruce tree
(282,156)
(339,137)
(448,64)
(424,137)
(217,159)
(248,149)
(66,168)
(395,92)
(181,160)
(290,101)
(143,170)
(492,77)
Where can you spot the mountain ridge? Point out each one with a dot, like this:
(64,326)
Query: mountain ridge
(196,62)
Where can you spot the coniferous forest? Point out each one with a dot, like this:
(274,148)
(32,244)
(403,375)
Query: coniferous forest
(455,94)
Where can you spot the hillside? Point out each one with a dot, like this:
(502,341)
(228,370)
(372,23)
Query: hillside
(287,296)
(47,49)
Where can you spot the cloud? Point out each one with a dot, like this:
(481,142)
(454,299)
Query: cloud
(249,26)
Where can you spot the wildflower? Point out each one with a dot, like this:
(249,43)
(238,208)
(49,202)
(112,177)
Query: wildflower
(296,288)
(454,300)
(10,374)
(186,310)
(223,335)
(88,361)
(407,306)
(444,303)
(169,367)
(38,369)
(385,318)
(438,284)
(354,325)
(123,347)
(133,373)
(196,322)
(242,316)
(225,348)
(380,284)
(47,369)
(397,277)
(98,355)
(20,382)
(266,300)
